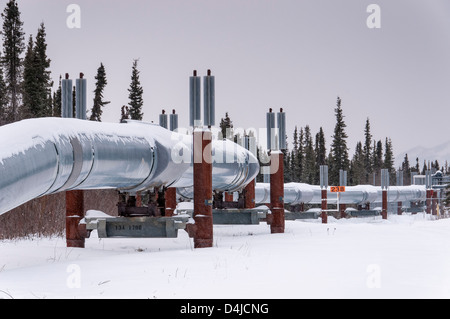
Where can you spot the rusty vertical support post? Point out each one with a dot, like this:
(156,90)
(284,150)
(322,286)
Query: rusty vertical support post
(250,145)
(324,192)
(170,197)
(203,236)
(171,192)
(342,208)
(428,201)
(441,204)
(250,195)
(342,182)
(324,206)
(428,184)
(74,213)
(138,199)
(384,204)
(399,176)
(384,189)
(228,197)
(433,202)
(277,192)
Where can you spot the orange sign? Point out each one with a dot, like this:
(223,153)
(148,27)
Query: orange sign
(337,189)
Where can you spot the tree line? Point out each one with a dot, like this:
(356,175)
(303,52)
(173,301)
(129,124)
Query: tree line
(25,77)
(308,151)
(370,156)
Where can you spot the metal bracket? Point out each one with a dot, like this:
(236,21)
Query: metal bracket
(137,227)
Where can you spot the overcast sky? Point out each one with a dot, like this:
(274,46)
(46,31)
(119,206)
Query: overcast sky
(298,54)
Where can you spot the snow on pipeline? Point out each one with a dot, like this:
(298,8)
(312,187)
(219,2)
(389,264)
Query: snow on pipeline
(50,155)
(405,256)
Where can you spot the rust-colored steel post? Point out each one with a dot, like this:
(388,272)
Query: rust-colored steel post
(384,204)
(428,201)
(138,200)
(250,195)
(203,193)
(74,213)
(342,208)
(324,207)
(433,202)
(228,197)
(277,192)
(171,201)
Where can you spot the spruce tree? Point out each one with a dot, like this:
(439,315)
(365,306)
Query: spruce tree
(3,99)
(31,105)
(389,163)
(417,167)
(295,177)
(377,161)
(99,103)
(309,167)
(292,167)
(388,154)
(135,94)
(287,166)
(357,174)
(321,153)
(57,100)
(339,150)
(44,82)
(299,160)
(295,140)
(367,153)
(424,167)
(13,47)
(406,168)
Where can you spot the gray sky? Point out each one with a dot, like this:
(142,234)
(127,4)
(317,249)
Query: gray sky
(299,55)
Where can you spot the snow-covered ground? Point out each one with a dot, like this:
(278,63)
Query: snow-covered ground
(405,257)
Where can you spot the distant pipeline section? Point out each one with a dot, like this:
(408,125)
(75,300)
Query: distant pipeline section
(297,193)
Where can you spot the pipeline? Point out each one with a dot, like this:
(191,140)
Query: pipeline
(50,155)
(296,193)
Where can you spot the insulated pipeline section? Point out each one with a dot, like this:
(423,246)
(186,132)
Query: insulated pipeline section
(21,170)
(120,163)
(80,158)
(357,195)
(233,168)
(49,155)
(296,193)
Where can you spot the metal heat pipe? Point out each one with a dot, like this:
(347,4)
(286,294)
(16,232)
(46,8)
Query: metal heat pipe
(50,155)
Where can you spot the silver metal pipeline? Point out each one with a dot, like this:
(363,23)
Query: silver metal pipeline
(296,193)
(232,167)
(49,155)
